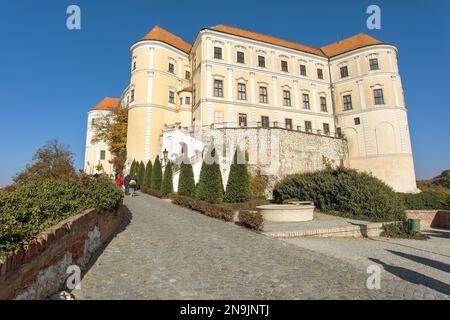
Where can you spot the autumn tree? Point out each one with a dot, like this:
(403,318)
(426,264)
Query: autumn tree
(113,130)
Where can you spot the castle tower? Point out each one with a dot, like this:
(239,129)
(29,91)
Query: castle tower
(158,93)
(370,109)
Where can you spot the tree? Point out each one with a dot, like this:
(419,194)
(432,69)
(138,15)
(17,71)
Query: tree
(141,174)
(156,175)
(186,182)
(133,168)
(113,130)
(167,183)
(53,160)
(210,187)
(238,185)
(148,174)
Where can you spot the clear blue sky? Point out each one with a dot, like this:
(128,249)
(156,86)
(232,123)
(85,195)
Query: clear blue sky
(50,76)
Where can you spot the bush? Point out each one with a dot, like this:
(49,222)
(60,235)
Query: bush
(212,210)
(426,200)
(238,185)
(141,174)
(156,175)
(186,182)
(153,192)
(167,183)
(401,230)
(210,187)
(35,206)
(258,185)
(343,190)
(251,219)
(148,174)
(133,170)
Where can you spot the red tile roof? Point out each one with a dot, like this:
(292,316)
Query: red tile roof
(159,34)
(107,104)
(355,42)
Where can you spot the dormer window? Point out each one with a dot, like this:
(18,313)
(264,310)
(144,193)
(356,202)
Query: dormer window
(240,57)
(284,66)
(171,67)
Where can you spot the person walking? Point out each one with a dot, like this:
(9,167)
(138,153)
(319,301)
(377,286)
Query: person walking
(126,182)
(133,185)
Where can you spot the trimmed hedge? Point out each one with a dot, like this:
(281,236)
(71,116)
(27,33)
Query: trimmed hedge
(153,192)
(167,183)
(186,182)
(37,205)
(345,191)
(210,187)
(212,210)
(148,174)
(251,219)
(426,200)
(156,179)
(238,185)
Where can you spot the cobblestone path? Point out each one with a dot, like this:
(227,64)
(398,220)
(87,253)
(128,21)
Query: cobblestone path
(168,252)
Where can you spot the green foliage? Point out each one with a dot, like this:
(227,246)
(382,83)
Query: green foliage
(141,173)
(401,230)
(186,182)
(133,168)
(167,183)
(344,191)
(35,206)
(217,211)
(238,185)
(441,181)
(426,200)
(210,187)
(156,175)
(148,174)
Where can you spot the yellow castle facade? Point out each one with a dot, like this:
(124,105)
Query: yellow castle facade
(238,78)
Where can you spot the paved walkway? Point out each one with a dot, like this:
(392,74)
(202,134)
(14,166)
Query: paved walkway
(168,252)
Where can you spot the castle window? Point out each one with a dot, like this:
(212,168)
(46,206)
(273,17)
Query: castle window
(264,121)
(319,73)
(218,53)
(171,67)
(378,96)
(187,74)
(171,96)
(133,66)
(242,91)
(132,95)
(286,98)
(306,101)
(218,117)
(347,102)
(93,121)
(323,104)
(303,70)
(357,121)
(218,88)
(373,64)
(242,119)
(339,132)
(261,61)
(187,100)
(181,101)
(308,126)
(284,66)
(240,57)
(288,123)
(102,154)
(326,129)
(344,72)
(263,94)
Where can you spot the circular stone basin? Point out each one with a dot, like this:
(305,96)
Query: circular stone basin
(286,212)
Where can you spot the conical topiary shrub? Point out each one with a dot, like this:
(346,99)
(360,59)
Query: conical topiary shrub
(156,175)
(167,183)
(210,187)
(238,185)
(141,174)
(186,182)
(133,168)
(148,174)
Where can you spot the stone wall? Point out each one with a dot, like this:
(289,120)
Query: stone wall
(39,270)
(431,218)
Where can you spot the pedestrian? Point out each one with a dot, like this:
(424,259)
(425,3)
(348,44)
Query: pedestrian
(133,185)
(126,182)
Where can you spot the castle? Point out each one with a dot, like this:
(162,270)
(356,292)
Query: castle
(342,103)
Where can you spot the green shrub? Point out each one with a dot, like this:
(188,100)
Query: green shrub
(251,219)
(148,174)
(152,192)
(186,182)
(401,230)
(212,210)
(35,206)
(238,185)
(167,183)
(133,168)
(343,190)
(426,200)
(156,175)
(141,173)
(210,187)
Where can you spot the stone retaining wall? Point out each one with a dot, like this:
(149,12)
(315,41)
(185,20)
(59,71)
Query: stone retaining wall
(430,218)
(39,270)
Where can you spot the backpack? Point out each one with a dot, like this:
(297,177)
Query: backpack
(132,182)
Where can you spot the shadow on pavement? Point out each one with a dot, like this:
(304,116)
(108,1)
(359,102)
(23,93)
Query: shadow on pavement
(414,277)
(425,261)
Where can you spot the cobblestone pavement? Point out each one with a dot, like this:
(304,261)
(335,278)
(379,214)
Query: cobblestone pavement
(168,252)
